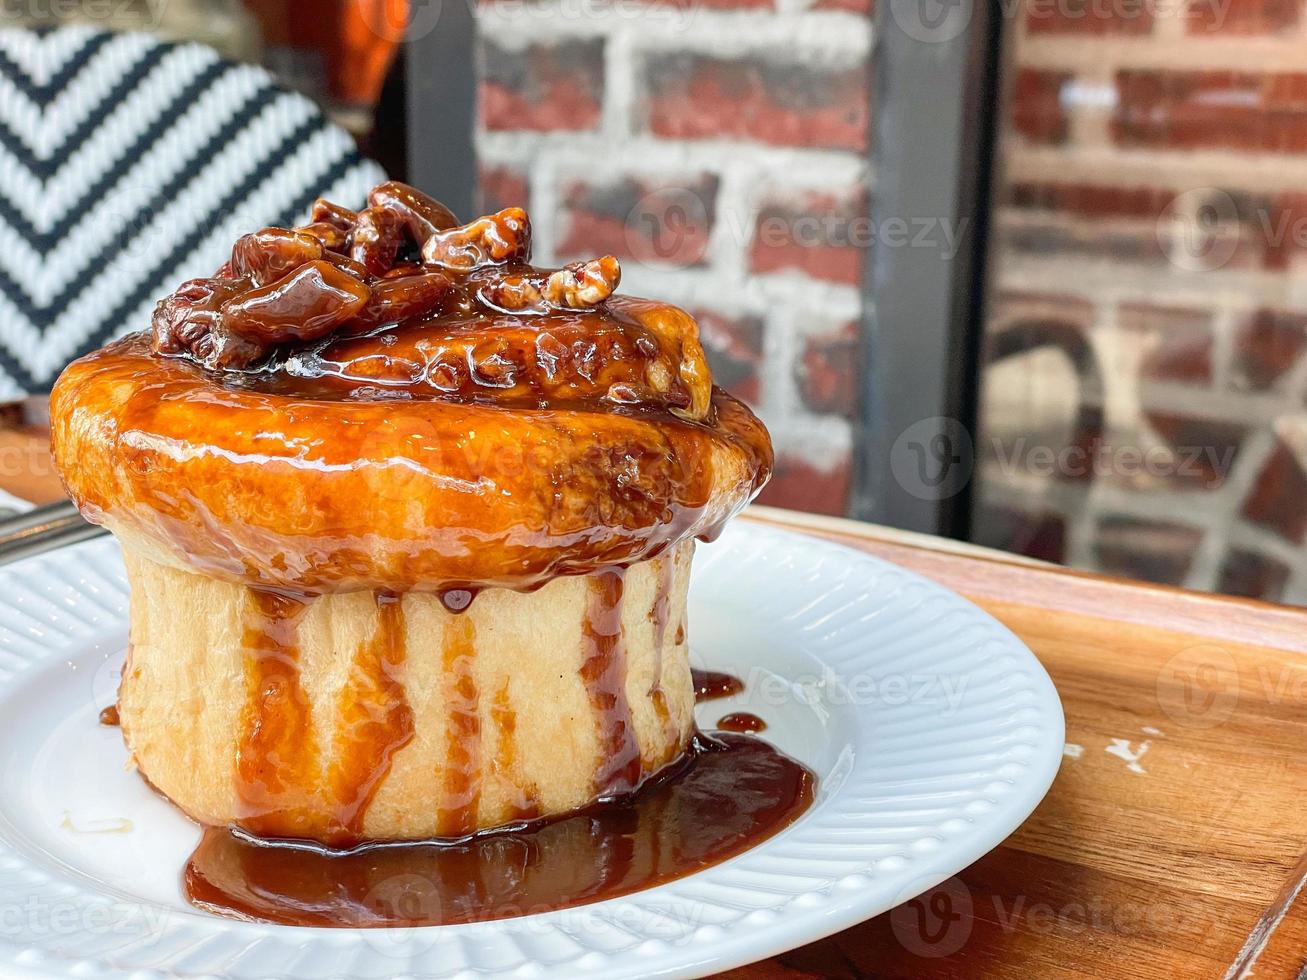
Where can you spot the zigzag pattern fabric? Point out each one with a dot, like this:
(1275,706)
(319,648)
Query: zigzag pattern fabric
(127,165)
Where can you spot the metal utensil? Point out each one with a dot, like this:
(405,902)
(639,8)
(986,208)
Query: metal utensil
(43,529)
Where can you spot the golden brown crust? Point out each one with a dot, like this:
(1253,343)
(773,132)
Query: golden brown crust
(337,496)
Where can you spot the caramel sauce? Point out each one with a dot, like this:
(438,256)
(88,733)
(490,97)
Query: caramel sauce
(709,685)
(741,721)
(374,719)
(604,671)
(277,766)
(658,615)
(109,716)
(461,792)
(527,804)
(728,794)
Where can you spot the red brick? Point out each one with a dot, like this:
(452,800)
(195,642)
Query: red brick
(1266,346)
(1097,17)
(1205,449)
(1091,200)
(734,348)
(502,187)
(1178,341)
(801,486)
(827,374)
(1037,110)
(1156,551)
(691,96)
(1276,499)
(1280,224)
(820,234)
(648,220)
(1236,110)
(1242,16)
(544,87)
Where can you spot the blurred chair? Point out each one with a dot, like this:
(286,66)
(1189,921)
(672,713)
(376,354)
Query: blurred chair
(128,164)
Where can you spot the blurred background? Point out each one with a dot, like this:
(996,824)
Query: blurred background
(1027,273)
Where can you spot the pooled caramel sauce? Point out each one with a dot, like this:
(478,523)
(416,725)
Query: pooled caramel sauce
(461,793)
(109,716)
(603,668)
(729,793)
(709,685)
(374,719)
(741,721)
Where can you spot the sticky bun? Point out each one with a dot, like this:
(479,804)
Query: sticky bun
(408,524)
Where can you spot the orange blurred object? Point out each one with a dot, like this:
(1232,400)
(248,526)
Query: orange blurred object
(357,37)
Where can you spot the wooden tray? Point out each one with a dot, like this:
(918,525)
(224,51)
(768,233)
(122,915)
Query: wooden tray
(1173,842)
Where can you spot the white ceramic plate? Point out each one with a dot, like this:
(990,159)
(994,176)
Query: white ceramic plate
(932,729)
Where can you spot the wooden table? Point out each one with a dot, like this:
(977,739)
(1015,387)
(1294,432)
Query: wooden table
(1173,842)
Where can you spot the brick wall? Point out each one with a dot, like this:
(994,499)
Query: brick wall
(1151,308)
(718,148)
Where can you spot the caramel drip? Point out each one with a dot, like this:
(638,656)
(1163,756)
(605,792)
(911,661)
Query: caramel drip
(461,789)
(527,804)
(658,614)
(277,767)
(741,721)
(604,672)
(374,722)
(709,685)
(109,716)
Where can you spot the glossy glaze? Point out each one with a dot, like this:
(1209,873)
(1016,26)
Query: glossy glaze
(343,407)
(741,721)
(709,685)
(603,669)
(728,794)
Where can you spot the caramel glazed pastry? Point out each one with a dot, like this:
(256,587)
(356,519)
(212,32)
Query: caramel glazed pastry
(408,524)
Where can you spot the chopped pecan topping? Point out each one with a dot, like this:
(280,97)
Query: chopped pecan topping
(309,303)
(583,284)
(268,255)
(331,236)
(333,214)
(579,286)
(321,295)
(422,216)
(402,298)
(376,239)
(492,240)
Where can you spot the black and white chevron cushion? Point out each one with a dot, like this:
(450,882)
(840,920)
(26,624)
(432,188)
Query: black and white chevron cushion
(127,165)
